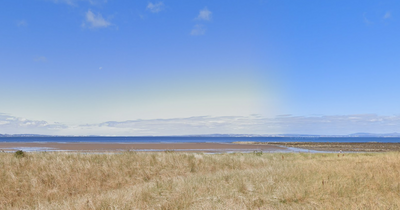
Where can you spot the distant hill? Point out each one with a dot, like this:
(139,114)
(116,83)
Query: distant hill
(355,135)
(374,135)
(23,135)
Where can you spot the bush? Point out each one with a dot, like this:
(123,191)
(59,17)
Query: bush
(258,153)
(19,154)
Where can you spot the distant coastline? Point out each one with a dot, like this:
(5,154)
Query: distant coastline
(370,135)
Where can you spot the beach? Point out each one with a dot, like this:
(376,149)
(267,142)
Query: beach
(114,147)
(202,147)
(334,146)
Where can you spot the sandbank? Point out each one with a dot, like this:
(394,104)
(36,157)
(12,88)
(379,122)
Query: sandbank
(99,147)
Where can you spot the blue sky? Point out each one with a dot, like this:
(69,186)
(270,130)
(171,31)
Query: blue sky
(107,67)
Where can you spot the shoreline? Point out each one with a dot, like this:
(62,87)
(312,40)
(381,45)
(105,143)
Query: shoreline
(144,147)
(201,147)
(334,146)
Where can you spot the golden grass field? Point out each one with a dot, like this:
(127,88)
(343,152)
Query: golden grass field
(172,180)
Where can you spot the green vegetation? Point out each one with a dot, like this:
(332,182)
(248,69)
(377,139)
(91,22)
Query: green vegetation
(19,154)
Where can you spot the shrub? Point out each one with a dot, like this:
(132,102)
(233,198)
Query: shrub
(19,154)
(258,153)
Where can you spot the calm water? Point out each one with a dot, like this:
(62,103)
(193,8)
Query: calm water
(196,139)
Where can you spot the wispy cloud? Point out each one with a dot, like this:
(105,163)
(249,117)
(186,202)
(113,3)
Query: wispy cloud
(182,126)
(253,124)
(198,30)
(16,125)
(366,20)
(21,23)
(95,21)
(387,15)
(204,14)
(40,59)
(286,124)
(156,7)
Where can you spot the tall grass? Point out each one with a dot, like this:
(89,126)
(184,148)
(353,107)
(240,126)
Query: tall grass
(199,181)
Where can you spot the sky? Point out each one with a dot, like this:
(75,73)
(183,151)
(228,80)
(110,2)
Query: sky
(108,67)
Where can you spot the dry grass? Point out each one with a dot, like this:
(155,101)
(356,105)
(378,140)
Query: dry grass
(196,181)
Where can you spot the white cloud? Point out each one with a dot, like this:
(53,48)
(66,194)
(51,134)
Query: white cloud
(40,59)
(95,21)
(182,126)
(329,125)
(253,124)
(21,23)
(204,14)
(198,30)
(387,15)
(16,125)
(156,7)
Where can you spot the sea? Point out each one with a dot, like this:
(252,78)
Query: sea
(186,139)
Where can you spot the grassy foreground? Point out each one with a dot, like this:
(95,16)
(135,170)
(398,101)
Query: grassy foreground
(169,180)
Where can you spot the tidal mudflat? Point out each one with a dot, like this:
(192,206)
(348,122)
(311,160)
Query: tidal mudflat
(146,147)
(335,146)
